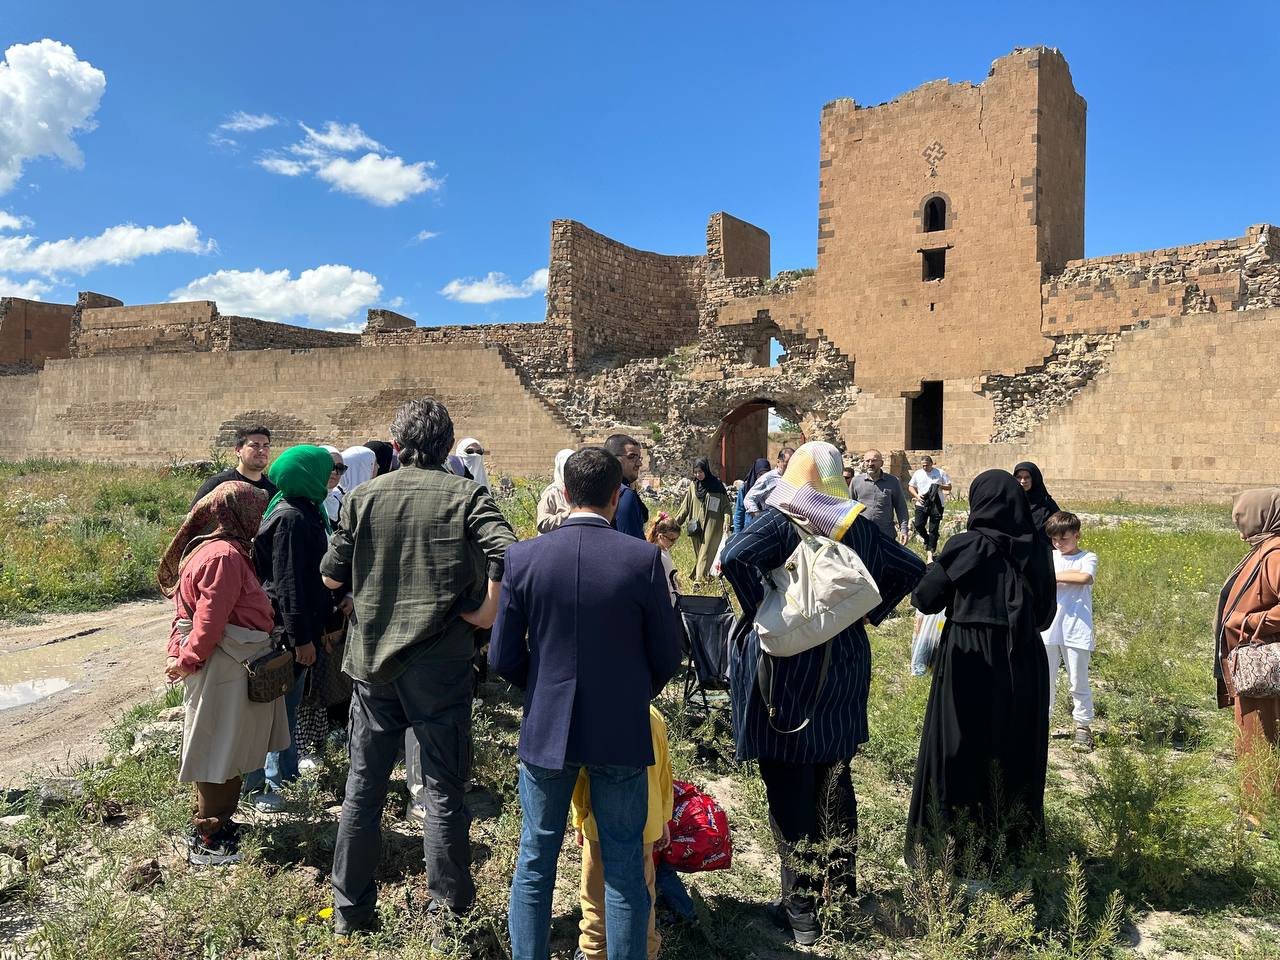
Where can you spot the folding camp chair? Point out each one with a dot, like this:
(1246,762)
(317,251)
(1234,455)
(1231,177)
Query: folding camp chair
(708,622)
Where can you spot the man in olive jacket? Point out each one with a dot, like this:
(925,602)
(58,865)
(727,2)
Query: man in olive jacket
(405,545)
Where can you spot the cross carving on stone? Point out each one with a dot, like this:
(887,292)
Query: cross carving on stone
(933,155)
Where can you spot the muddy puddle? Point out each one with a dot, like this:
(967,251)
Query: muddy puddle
(32,673)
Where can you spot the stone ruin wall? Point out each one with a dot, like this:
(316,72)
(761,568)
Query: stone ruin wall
(103,326)
(1090,305)
(32,332)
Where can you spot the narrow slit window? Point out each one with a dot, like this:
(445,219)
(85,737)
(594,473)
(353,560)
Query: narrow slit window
(935,215)
(934,264)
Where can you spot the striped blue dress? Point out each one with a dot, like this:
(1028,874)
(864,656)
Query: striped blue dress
(839,717)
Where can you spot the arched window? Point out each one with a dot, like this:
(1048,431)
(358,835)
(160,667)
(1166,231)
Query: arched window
(935,215)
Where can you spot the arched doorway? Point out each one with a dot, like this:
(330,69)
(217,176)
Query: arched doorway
(743,436)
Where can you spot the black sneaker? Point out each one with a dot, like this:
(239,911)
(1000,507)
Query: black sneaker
(219,849)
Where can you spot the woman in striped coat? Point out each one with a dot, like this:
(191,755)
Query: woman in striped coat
(805,736)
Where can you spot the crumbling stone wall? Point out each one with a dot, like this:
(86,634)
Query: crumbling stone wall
(249,333)
(1093,302)
(620,302)
(1024,400)
(32,332)
(105,327)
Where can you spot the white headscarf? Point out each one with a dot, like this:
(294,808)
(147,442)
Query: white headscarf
(557,473)
(474,461)
(333,502)
(362,464)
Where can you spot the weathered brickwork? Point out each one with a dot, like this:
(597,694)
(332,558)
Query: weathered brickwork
(32,332)
(148,408)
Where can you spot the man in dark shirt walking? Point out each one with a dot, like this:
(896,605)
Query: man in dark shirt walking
(405,544)
(587,629)
(253,451)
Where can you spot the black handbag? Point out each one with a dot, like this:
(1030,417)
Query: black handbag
(270,673)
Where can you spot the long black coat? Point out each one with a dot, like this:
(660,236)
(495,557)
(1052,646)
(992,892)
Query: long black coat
(985,745)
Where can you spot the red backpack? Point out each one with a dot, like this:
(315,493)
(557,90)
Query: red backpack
(699,832)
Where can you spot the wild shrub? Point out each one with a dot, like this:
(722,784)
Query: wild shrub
(1141,803)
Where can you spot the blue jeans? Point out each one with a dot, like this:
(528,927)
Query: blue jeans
(619,801)
(281,765)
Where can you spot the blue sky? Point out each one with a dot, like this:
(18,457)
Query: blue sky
(479,123)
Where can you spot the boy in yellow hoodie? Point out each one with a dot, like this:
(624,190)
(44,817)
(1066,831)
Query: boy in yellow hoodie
(591,941)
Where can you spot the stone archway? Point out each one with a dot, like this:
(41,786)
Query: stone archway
(742,435)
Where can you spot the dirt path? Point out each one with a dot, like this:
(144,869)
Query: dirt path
(98,663)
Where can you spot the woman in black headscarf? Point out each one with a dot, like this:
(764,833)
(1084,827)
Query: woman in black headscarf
(702,514)
(1042,505)
(385,455)
(985,745)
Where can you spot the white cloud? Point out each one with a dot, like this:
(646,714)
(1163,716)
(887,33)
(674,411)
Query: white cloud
(336,137)
(380,177)
(353,326)
(241,122)
(26,289)
(120,244)
(9,221)
(423,235)
(281,165)
(47,95)
(331,292)
(493,287)
(384,181)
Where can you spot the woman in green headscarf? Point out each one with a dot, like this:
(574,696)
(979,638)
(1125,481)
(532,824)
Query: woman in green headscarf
(287,552)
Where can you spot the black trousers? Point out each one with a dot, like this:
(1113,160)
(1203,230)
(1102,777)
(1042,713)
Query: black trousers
(813,814)
(433,698)
(927,525)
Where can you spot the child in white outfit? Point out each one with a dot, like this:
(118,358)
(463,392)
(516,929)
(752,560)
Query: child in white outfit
(1070,637)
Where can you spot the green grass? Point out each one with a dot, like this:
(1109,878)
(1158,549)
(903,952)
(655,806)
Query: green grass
(78,536)
(1147,827)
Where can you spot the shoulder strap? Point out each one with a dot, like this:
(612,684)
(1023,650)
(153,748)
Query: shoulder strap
(765,678)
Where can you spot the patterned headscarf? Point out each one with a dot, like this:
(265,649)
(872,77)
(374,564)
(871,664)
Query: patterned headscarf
(231,511)
(301,471)
(813,487)
(1256,514)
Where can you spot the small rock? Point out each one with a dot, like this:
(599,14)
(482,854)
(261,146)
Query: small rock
(14,820)
(141,875)
(164,735)
(11,872)
(172,714)
(59,792)
(314,874)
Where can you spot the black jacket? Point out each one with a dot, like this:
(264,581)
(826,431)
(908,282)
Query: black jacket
(287,553)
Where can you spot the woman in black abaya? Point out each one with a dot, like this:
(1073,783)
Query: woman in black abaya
(1031,480)
(985,745)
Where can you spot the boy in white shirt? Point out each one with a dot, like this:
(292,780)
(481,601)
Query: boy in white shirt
(1070,636)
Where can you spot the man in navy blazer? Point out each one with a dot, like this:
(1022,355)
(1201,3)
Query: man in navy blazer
(585,626)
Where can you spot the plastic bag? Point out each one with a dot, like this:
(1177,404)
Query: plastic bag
(924,644)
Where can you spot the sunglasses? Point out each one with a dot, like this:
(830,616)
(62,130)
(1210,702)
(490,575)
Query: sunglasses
(339,468)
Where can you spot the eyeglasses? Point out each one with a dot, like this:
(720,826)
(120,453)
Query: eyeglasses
(339,468)
(635,457)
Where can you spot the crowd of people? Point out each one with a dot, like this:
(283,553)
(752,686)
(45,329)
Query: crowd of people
(354,587)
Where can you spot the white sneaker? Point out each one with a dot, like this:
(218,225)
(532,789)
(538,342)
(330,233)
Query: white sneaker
(267,802)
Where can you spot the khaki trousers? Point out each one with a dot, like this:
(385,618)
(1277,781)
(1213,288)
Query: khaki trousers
(591,940)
